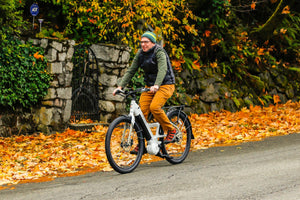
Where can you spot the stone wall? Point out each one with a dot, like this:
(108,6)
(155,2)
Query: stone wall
(56,105)
(208,91)
(54,111)
(113,61)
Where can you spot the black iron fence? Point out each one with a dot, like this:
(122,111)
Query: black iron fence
(85,85)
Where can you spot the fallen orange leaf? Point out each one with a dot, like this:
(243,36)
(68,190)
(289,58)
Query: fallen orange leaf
(41,157)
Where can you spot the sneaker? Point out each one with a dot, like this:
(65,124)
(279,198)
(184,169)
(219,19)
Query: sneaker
(136,150)
(171,136)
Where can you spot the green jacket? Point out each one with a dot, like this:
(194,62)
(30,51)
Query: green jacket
(163,68)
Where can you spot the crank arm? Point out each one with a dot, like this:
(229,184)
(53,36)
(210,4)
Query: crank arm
(159,154)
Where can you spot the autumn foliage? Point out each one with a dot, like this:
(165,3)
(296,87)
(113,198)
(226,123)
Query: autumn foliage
(215,37)
(202,37)
(71,152)
(123,22)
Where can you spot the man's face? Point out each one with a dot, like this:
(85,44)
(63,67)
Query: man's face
(146,44)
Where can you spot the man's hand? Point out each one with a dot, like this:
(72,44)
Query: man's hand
(118,88)
(154,88)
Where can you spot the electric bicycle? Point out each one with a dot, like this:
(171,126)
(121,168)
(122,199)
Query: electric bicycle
(128,131)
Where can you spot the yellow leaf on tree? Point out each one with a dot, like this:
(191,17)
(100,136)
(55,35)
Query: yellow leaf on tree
(261,51)
(253,4)
(207,33)
(196,65)
(257,60)
(214,65)
(215,42)
(286,10)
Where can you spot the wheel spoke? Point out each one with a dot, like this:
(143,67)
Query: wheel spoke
(120,140)
(178,150)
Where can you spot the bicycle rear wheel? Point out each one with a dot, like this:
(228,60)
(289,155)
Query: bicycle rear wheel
(120,139)
(179,149)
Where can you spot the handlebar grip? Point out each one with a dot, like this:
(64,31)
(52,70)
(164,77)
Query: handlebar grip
(119,92)
(145,89)
(141,90)
(131,92)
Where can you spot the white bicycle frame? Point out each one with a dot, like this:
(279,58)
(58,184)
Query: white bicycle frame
(153,143)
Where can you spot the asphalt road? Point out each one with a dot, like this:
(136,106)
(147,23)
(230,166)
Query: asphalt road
(268,170)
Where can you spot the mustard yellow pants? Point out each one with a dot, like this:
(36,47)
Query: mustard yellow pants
(153,102)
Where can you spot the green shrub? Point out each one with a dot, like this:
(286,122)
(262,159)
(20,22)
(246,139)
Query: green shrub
(24,79)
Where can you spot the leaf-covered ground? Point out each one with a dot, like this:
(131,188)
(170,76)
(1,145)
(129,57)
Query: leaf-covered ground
(43,157)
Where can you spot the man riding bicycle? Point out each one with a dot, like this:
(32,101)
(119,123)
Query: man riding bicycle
(159,77)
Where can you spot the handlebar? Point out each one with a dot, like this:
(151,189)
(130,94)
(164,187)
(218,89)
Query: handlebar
(131,92)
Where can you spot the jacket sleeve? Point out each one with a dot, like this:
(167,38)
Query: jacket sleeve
(130,71)
(161,66)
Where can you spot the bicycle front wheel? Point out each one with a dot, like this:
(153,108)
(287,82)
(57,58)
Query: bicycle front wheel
(121,139)
(179,149)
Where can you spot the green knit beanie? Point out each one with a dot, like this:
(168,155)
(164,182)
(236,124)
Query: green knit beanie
(150,35)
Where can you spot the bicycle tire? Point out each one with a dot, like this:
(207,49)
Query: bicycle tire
(182,140)
(118,151)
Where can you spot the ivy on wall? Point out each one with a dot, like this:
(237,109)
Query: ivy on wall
(24,79)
